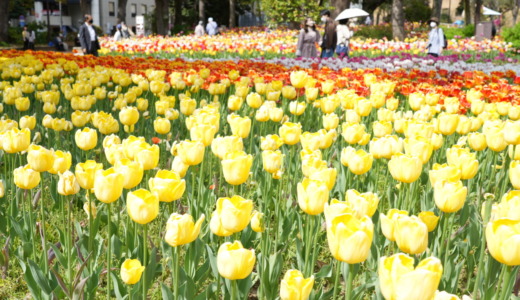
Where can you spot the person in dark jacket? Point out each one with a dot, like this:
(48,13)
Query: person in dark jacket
(329,40)
(88,37)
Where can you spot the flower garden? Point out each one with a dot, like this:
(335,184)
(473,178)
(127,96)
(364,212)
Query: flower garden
(233,171)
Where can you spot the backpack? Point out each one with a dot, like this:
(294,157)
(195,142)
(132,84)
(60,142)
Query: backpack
(445,45)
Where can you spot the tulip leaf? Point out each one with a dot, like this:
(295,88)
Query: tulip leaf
(116,246)
(202,272)
(93,282)
(244,286)
(40,278)
(59,256)
(79,289)
(61,283)
(325,272)
(166,292)
(212,261)
(118,286)
(187,286)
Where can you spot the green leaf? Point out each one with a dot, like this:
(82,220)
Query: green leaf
(40,278)
(165,291)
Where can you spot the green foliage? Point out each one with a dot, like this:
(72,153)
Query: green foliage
(375,32)
(291,11)
(15,33)
(417,11)
(512,35)
(464,32)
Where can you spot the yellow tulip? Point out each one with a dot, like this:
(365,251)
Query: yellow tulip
(385,147)
(28,122)
(235,103)
(181,229)
(430,219)
(39,158)
(514,173)
(311,93)
(312,196)
(191,152)
(445,296)
(290,133)
(495,138)
(503,241)
(297,108)
(16,140)
(129,115)
(240,126)
(262,114)
(26,178)
(352,132)
(204,133)
(234,262)
(148,156)
(330,121)
(449,196)
(270,142)
(382,128)
(477,141)
(67,184)
(405,168)
(86,173)
(231,215)
(179,167)
(389,221)
(364,204)
(411,234)
(326,175)
(463,159)
(276,114)
(419,147)
(443,172)
(168,185)
(142,206)
(272,160)
(131,271)
(86,139)
(399,279)
(363,107)
(2,188)
(187,106)
(298,79)
(132,172)
(289,92)
(108,184)
(360,162)
(236,166)
(254,100)
(448,123)
(295,287)
(220,146)
(161,125)
(22,103)
(350,238)
(257,221)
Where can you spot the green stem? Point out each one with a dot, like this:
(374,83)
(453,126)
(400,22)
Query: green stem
(44,245)
(90,227)
(482,250)
(448,238)
(506,292)
(348,284)
(109,250)
(69,245)
(175,268)
(336,279)
(145,258)
(234,290)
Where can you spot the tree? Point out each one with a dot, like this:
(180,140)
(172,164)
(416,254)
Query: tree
(177,14)
(4,20)
(291,11)
(202,15)
(436,8)
(398,20)
(467,12)
(161,13)
(478,9)
(232,13)
(121,10)
(339,6)
(85,7)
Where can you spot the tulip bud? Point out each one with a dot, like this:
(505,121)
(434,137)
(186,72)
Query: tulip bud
(234,262)
(131,271)
(257,221)
(350,238)
(26,178)
(295,286)
(68,185)
(142,206)
(181,230)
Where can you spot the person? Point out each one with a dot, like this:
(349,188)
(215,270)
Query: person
(199,29)
(368,21)
(118,35)
(32,39)
(58,43)
(328,44)
(343,36)
(126,32)
(211,27)
(25,37)
(435,38)
(307,40)
(88,37)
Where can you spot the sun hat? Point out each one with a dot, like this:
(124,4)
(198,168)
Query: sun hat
(325,12)
(434,19)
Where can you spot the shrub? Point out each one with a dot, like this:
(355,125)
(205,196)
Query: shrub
(512,35)
(417,11)
(375,31)
(464,32)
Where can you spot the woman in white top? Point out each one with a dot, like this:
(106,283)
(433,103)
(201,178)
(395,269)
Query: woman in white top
(343,34)
(118,35)
(435,38)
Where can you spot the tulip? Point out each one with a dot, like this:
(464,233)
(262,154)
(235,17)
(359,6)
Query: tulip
(508,208)
(299,79)
(262,114)
(254,100)
(326,175)
(445,296)
(86,173)
(443,172)
(26,178)
(2,188)
(168,185)
(463,159)
(363,107)
(297,108)
(405,168)
(477,141)
(352,132)
(495,138)
(350,238)
(235,103)
(236,166)
(234,262)
(289,92)
(419,147)
(381,128)
(22,103)
(448,123)
(411,235)
(272,160)
(67,184)
(86,139)
(449,196)
(148,156)
(385,147)
(360,162)
(389,221)
(290,133)
(203,133)
(220,146)
(131,271)
(187,106)
(276,114)
(142,206)
(62,162)
(231,215)
(161,125)
(240,126)
(129,115)
(364,204)
(132,172)
(312,196)
(28,122)
(295,287)
(270,142)
(430,219)
(503,241)
(257,221)
(181,230)
(108,184)
(191,152)
(514,173)
(399,279)
(39,158)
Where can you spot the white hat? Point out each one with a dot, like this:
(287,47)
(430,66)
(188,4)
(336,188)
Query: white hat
(210,19)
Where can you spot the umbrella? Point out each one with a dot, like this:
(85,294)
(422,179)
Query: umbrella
(351,13)
(490,12)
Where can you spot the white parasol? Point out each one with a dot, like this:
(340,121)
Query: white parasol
(351,13)
(490,12)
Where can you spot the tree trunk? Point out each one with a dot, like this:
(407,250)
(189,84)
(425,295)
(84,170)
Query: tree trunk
(177,16)
(515,11)
(4,20)
(232,12)
(48,22)
(467,12)
(121,11)
(339,6)
(161,14)
(398,20)
(202,14)
(437,9)
(85,8)
(478,8)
